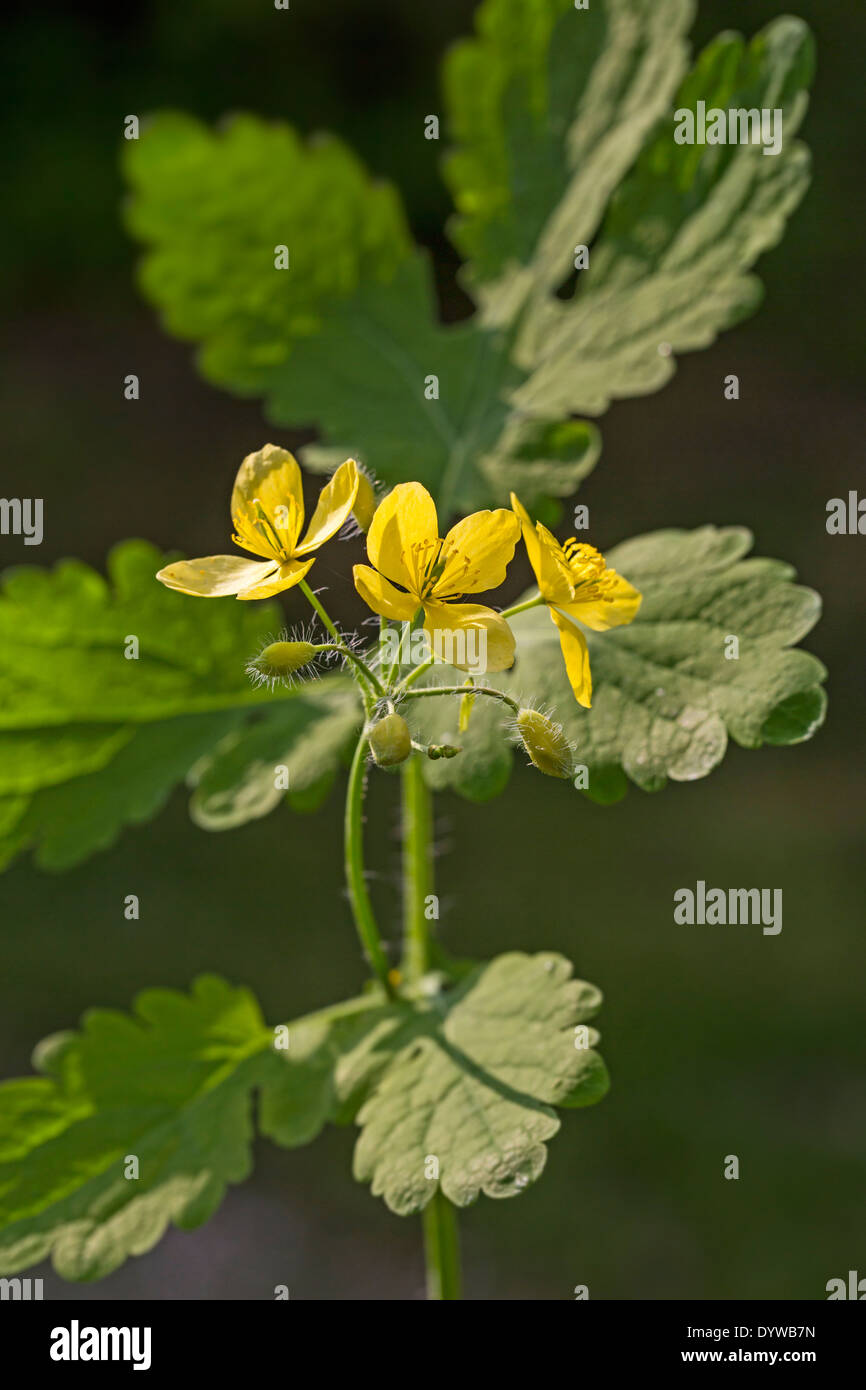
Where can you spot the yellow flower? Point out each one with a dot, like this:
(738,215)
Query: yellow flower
(404,546)
(577,586)
(267,509)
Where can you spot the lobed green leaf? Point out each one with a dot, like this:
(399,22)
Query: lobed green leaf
(92,740)
(666,697)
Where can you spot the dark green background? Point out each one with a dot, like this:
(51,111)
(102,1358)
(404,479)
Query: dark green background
(720,1040)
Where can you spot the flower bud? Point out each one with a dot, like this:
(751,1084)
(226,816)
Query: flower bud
(390,740)
(442,750)
(365,502)
(279,661)
(546,744)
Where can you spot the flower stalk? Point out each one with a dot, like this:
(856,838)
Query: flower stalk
(359,898)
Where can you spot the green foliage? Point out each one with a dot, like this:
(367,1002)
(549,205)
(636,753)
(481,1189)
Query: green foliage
(669,268)
(307,735)
(549,108)
(474,1082)
(92,740)
(171,1086)
(665,696)
(468,1074)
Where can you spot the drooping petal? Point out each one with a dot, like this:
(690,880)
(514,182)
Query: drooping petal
(272,477)
(216,576)
(576,657)
(365,502)
(335,503)
(289,573)
(469,636)
(555,579)
(382,597)
(403,535)
(530,538)
(477,552)
(618,607)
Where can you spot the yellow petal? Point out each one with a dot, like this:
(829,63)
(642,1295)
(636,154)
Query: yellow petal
(271,476)
(477,552)
(334,505)
(403,535)
(469,636)
(530,539)
(290,573)
(365,502)
(382,597)
(216,576)
(576,657)
(554,576)
(619,606)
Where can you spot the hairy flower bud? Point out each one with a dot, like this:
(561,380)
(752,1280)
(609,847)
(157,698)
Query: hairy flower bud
(546,744)
(390,740)
(279,661)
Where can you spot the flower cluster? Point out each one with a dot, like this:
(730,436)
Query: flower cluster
(414,577)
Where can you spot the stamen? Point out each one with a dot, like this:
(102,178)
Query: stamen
(266,527)
(588,570)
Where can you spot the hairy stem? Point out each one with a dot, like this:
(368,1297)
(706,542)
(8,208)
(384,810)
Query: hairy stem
(359,662)
(441,1249)
(417,868)
(413,675)
(431,690)
(362,908)
(439,1219)
(341,645)
(320,609)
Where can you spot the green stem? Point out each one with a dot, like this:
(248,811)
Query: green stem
(439,1219)
(441,1249)
(417,868)
(522,607)
(317,606)
(460,690)
(359,662)
(413,675)
(362,908)
(338,639)
(405,628)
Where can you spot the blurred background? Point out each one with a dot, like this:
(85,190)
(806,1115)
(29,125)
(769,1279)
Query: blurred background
(720,1040)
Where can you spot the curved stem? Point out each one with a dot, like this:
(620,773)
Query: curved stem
(460,690)
(362,908)
(441,1249)
(417,868)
